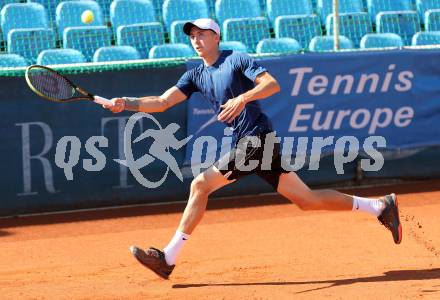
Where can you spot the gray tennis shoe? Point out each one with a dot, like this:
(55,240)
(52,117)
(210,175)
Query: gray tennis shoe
(153,259)
(390,217)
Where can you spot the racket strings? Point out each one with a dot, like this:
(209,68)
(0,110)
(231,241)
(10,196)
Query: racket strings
(51,84)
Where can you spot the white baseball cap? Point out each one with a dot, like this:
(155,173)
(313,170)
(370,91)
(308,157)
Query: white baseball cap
(202,24)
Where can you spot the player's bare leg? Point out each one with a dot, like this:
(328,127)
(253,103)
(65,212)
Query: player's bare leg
(385,208)
(162,262)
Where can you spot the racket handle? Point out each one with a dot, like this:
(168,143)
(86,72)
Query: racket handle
(101,100)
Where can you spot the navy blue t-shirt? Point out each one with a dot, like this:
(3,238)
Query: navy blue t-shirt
(233,74)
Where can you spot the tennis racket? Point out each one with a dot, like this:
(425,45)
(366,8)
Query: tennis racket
(51,85)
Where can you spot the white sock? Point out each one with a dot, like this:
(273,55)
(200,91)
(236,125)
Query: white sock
(371,206)
(173,248)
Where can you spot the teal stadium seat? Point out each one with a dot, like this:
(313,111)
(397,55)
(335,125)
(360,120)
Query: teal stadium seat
(233,45)
(68,14)
(177,36)
(325,7)
(22,15)
(381,40)
(158,8)
(183,10)
(276,8)
(141,36)
(171,51)
(50,6)
(326,43)
(352,25)
(403,23)
(129,12)
(249,31)
(30,42)
(116,53)
(377,6)
(426,38)
(227,9)
(12,61)
(432,20)
(301,28)
(87,39)
(424,5)
(281,45)
(60,57)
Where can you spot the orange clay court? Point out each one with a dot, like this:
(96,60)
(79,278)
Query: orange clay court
(248,248)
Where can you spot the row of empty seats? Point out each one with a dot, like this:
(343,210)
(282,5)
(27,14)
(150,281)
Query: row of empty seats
(47,56)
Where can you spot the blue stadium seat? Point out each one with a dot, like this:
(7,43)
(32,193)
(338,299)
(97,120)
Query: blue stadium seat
(128,12)
(276,8)
(142,36)
(30,42)
(116,53)
(352,25)
(233,45)
(179,10)
(68,14)
(326,43)
(227,9)
(105,8)
(403,23)
(171,51)
(60,57)
(177,36)
(87,39)
(381,40)
(325,7)
(12,61)
(281,45)
(301,28)
(50,6)
(23,15)
(249,31)
(377,6)
(424,5)
(426,38)
(432,20)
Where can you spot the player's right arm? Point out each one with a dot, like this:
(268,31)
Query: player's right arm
(148,104)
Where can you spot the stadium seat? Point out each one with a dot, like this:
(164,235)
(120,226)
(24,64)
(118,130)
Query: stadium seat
(352,25)
(326,43)
(50,6)
(403,23)
(227,9)
(381,40)
(158,8)
(171,51)
(177,36)
(141,36)
(87,39)
(424,5)
(276,8)
(116,53)
(23,15)
(180,10)
(432,20)
(377,6)
(30,42)
(301,28)
(129,12)
(426,38)
(249,31)
(60,56)
(281,45)
(12,61)
(233,45)
(68,14)
(325,7)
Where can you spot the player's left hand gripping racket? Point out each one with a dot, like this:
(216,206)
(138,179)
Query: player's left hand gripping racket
(51,85)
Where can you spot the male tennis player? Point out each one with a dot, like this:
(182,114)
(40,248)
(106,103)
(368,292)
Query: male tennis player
(233,82)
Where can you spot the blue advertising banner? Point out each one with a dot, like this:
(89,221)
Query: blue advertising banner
(392,94)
